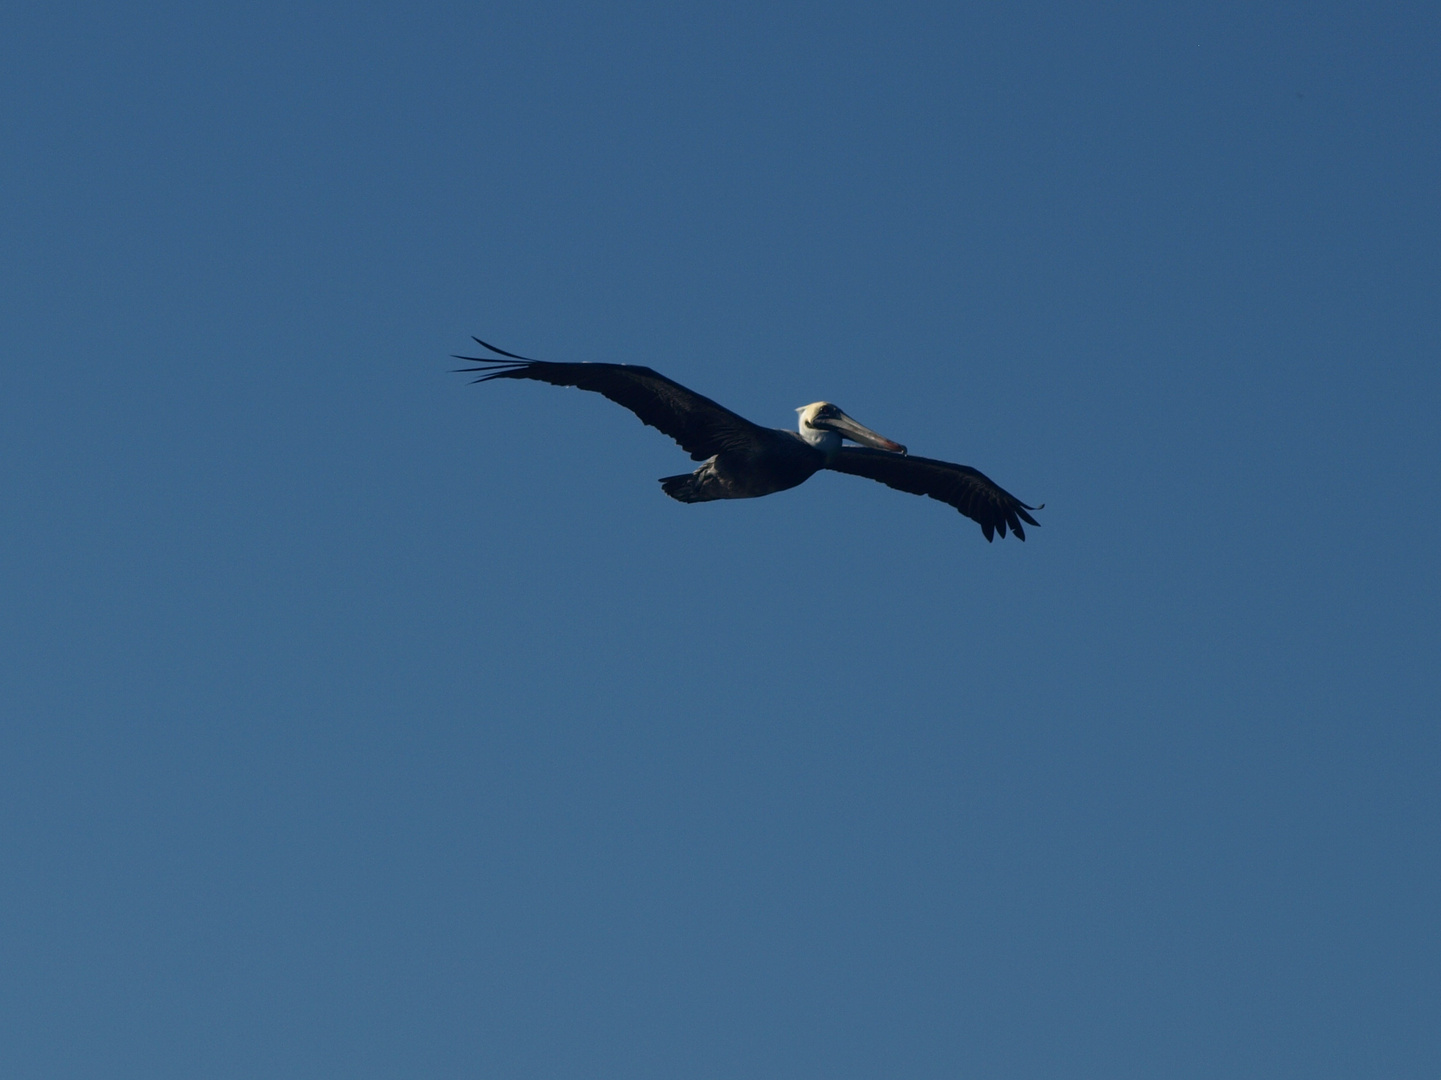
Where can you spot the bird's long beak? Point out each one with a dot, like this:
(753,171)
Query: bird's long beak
(847,428)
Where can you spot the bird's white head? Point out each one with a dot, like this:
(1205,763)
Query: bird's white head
(824,426)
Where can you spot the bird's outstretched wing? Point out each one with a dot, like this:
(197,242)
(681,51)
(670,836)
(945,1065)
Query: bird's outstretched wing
(700,425)
(972,493)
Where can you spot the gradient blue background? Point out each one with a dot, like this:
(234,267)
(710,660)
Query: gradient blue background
(361,723)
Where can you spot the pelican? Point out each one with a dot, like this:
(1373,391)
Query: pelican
(743,460)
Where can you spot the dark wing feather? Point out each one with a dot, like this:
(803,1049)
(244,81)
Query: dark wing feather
(700,425)
(972,493)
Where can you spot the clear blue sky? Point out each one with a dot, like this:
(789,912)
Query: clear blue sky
(356,722)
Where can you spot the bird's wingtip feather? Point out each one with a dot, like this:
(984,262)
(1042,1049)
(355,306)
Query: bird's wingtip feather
(502,352)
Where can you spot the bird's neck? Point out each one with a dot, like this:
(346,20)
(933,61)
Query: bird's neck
(827,442)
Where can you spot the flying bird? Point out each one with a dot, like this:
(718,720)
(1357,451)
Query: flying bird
(744,460)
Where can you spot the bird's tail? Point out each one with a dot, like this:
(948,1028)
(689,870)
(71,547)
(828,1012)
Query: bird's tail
(688,487)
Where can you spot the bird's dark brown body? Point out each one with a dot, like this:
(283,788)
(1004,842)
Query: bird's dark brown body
(774,463)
